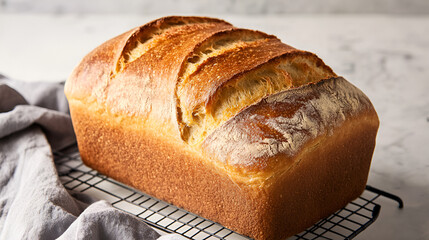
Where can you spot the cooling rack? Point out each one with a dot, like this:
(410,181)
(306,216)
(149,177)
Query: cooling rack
(75,176)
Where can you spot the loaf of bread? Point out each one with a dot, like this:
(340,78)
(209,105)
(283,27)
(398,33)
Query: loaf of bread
(228,123)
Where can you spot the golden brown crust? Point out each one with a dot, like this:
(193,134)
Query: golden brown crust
(325,176)
(281,125)
(214,72)
(153,29)
(163,167)
(150,78)
(97,66)
(266,166)
(323,179)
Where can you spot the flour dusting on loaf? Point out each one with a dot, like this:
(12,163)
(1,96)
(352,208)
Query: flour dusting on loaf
(282,124)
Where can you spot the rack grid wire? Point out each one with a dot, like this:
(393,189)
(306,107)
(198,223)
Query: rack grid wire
(346,223)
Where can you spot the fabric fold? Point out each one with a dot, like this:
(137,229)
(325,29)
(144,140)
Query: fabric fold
(34,120)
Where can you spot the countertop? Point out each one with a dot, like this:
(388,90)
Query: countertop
(385,56)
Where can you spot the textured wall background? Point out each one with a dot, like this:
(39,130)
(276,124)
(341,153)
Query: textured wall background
(216,7)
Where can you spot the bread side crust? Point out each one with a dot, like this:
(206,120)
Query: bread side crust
(120,147)
(327,176)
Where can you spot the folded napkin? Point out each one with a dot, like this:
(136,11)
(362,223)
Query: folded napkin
(34,121)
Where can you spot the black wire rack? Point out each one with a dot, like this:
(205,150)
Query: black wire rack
(346,223)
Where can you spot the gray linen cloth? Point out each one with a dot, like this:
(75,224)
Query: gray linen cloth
(34,121)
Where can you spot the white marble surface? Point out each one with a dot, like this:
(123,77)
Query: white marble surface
(386,56)
(216,7)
